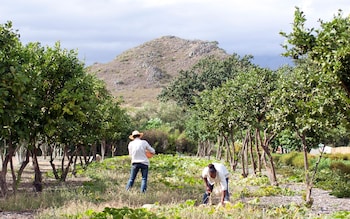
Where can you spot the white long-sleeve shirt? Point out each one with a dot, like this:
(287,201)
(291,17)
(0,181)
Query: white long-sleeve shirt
(221,175)
(137,151)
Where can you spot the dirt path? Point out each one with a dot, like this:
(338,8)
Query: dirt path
(324,203)
(18,215)
(26,183)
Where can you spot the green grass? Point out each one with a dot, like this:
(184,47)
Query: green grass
(175,189)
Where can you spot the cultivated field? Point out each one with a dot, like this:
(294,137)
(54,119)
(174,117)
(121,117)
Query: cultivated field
(175,191)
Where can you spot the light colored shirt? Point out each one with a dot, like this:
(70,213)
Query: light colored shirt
(137,151)
(221,175)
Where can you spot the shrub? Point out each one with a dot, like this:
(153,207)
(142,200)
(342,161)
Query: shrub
(295,159)
(287,159)
(291,174)
(184,145)
(298,161)
(238,146)
(169,141)
(272,191)
(323,164)
(336,178)
(158,140)
(340,166)
(276,158)
(338,156)
(341,185)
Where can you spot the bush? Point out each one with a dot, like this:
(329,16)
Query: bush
(340,166)
(298,161)
(277,160)
(169,141)
(158,140)
(341,185)
(183,145)
(287,159)
(295,159)
(338,156)
(324,163)
(335,178)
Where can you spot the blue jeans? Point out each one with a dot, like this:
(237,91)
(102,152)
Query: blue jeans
(135,167)
(206,195)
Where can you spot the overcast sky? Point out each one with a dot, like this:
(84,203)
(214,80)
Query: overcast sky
(102,29)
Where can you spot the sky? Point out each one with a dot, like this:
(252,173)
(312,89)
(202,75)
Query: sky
(100,30)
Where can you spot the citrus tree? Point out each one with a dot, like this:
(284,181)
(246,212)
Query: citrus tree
(47,99)
(328,46)
(314,103)
(309,103)
(14,97)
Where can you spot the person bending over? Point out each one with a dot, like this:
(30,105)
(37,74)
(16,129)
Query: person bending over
(215,174)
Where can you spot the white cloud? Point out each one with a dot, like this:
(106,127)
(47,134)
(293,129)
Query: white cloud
(101,29)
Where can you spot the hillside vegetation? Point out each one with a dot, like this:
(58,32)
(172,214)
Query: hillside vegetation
(138,74)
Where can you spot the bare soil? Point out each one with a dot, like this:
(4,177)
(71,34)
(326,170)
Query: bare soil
(324,203)
(27,180)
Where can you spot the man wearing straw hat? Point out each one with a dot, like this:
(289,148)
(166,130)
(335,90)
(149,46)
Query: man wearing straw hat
(139,150)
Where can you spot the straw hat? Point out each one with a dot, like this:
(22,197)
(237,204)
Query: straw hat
(135,133)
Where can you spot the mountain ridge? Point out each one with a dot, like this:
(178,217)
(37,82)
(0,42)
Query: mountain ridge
(138,74)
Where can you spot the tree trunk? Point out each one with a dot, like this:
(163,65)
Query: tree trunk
(252,159)
(229,156)
(17,179)
(233,160)
(37,173)
(270,168)
(20,153)
(3,173)
(94,151)
(204,149)
(228,151)
(66,169)
(220,146)
(308,182)
(74,171)
(13,173)
(113,150)
(257,148)
(244,157)
(103,148)
(52,150)
(200,149)
(209,148)
(85,156)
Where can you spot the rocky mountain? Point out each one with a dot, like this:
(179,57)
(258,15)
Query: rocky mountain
(138,74)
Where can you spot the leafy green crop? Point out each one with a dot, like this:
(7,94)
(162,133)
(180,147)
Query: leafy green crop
(123,213)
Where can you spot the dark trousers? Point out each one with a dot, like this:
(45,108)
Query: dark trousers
(206,194)
(135,168)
